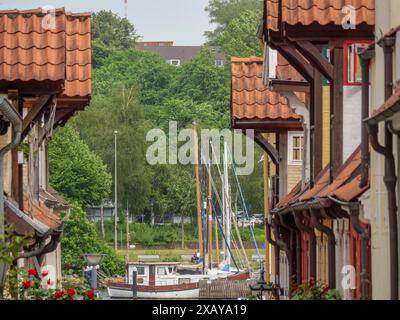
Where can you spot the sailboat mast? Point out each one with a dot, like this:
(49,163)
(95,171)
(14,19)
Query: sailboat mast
(210,226)
(226,205)
(196,170)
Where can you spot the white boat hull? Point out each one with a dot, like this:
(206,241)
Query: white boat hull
(126,293)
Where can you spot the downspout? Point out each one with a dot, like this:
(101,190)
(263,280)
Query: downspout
(275,245)
(316,221)
(13,116)
(313,243)
(354,209)
(285,248)
(296,231)
(390,178)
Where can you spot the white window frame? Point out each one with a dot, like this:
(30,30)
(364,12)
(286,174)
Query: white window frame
(291,135)
(170,61)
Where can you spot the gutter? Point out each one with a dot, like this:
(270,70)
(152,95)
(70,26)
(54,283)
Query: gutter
(316,221)
(354,209)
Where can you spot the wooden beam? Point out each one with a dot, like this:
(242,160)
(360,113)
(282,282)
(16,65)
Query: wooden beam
(289,86)
(267,147)
(315,57)
(290,53)
(336,111)
(35,112)
(316,125)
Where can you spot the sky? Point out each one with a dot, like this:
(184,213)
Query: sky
(182,21)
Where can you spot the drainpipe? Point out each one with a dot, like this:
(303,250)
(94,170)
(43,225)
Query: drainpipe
(313,243)
(285,248)
(13,116)
(365,156)
(275,245)
(316,221)
(297,232)
(390,178)
(354,209)
(43,248)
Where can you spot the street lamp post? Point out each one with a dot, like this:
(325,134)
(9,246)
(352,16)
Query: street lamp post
(115,192)
(93,260)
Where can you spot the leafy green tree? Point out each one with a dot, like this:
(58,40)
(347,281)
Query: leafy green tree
(75,170)
(80,237)
(222,12)
(110,33)
(202,81)
(123,113)
(145,71)
(240,37)
(112,30)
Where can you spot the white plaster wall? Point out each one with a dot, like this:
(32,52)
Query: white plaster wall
(378,205)
(351,120)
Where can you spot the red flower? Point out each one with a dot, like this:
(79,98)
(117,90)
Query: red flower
(326,289)
(45,273)
(71,292)
(90,294)
(27,284)
(311,282)
(32,272)
(58,294)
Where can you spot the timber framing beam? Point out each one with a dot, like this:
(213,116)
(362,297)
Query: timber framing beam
(291,54)
(336,110)
(36,111)
(267,147)
(279,85)
(315,57)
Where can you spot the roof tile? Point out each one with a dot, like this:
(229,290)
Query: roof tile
(251,99)
(322,12)
(28,51)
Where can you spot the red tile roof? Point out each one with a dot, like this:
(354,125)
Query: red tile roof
(345,187)
(79,56)
(40,212)
(320,12)
(285,71)
(251,99)
(29,52)
(388,109)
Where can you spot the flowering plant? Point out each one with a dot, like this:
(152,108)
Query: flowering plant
(35,286)
(315,290)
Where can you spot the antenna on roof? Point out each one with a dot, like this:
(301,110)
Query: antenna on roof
(126,9)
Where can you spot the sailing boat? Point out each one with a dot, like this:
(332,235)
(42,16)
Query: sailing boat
(160,280)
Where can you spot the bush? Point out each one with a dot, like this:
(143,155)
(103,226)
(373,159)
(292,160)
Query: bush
(80,237)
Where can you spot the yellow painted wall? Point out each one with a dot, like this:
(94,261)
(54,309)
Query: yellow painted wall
(4,140)
(326,125)
(294,176)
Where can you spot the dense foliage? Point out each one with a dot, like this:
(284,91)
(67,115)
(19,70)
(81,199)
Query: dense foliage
(80,237)
(240,37)
(75,171)
(222,12)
